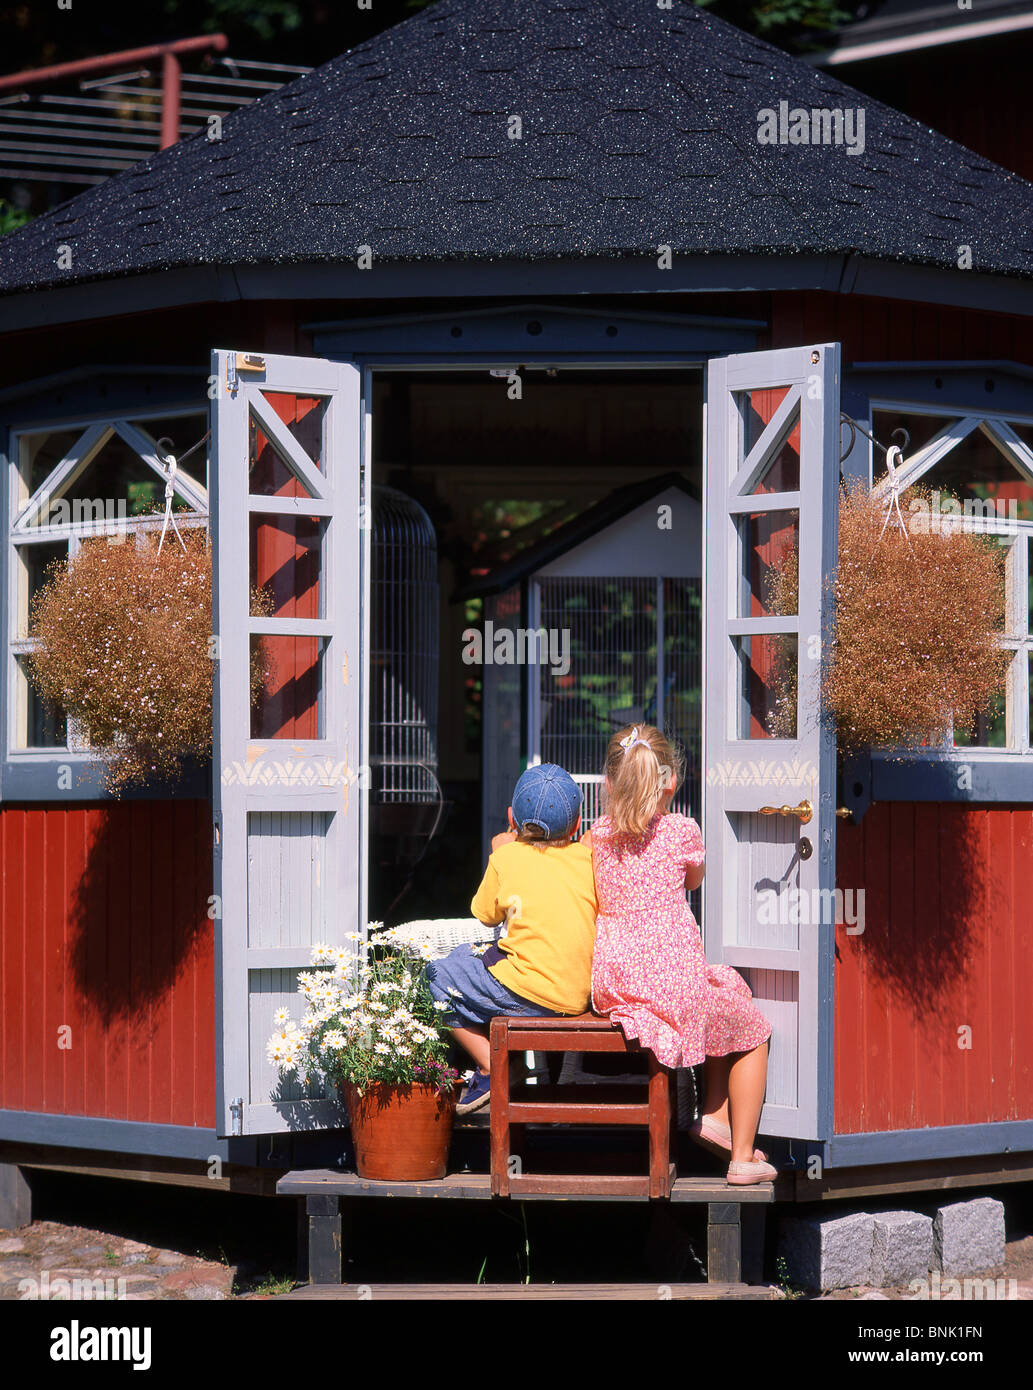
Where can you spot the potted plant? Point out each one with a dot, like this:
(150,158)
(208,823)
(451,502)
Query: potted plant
(372,1030)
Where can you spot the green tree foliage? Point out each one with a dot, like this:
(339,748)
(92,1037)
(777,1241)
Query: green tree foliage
(11,218)
(786,22)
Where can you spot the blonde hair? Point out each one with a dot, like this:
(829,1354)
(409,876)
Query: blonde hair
(639,764)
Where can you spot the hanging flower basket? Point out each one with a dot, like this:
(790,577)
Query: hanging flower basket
(124,648)
(917,615)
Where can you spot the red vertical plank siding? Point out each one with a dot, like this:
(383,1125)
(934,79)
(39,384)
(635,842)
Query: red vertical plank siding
(105,931)
(947,943)
(12,943)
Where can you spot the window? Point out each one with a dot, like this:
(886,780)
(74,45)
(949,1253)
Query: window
(70,483)
(980,469)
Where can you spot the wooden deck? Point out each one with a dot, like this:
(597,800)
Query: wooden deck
(321,1192)
(496,1293)
(329,1182)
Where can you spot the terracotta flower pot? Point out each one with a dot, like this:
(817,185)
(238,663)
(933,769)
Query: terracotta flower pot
(401,1133)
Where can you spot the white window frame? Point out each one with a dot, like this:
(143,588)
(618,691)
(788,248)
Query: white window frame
(970,773)
(72,771)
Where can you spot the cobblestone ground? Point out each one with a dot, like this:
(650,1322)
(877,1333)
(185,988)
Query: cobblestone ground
(55,1261)
(1018,1267)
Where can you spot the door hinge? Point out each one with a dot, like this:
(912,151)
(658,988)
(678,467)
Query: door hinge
(237,1116)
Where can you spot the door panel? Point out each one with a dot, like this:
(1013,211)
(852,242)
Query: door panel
(772,473)
(286,511)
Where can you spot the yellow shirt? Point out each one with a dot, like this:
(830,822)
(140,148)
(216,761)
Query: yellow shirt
(548,896)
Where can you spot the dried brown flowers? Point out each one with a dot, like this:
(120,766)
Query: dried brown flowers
(124,647)
(916,621)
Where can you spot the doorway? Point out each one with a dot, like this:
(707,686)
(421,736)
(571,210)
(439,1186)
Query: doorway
(506,467)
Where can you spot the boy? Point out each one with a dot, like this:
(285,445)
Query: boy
(539,882)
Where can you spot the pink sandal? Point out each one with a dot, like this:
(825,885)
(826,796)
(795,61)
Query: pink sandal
(745,1174)
(711,1134)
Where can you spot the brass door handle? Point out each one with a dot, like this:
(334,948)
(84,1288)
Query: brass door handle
(805,811)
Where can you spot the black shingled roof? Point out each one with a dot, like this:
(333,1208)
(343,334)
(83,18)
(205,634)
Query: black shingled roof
(639,129)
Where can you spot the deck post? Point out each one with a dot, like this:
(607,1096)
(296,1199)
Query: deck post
(15,1197)
(323,1257)
(724,1243)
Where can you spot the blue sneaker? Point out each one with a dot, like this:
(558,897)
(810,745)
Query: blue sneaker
(476,1093)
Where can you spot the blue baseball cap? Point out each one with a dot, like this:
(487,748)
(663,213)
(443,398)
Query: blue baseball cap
(546,796)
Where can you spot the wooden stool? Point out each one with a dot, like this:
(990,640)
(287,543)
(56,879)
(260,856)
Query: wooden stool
(574,1105)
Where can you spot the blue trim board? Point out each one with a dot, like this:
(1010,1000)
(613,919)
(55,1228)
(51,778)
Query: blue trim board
(589,275)
(993,780)
(909,1145)
(534,332)
(116,1136)
(319,1148)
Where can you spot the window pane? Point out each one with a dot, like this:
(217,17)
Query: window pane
(987,484)
(770,550)
(180,433)
(40,455)
(988,730)
(34,566)
(38,724)
(286,561)
(303,416)
(781,472)
(766,707)
(290,703)
(921,429)
(1029,586)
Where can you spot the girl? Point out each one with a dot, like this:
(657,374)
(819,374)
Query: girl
(649,973)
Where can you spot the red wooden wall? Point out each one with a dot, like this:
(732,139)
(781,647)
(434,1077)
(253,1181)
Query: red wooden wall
(947,945)
(105,931)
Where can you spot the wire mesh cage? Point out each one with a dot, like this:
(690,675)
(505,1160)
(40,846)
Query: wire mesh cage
(634,658)
(406,803)
(403,652)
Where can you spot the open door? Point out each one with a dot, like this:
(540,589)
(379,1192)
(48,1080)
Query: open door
(286,519)
(771,491)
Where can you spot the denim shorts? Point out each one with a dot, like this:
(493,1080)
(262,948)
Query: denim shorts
(480,997)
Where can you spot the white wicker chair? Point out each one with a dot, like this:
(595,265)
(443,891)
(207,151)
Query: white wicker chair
(445,933)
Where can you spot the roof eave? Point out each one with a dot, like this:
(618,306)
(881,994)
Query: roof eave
(846,273)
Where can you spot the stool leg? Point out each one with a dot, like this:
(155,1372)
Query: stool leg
(499,1111)
(659,1129)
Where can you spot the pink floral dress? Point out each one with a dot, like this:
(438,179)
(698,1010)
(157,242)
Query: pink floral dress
(649,972)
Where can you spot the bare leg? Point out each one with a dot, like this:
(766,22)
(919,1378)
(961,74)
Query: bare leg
(715,1088)
(747,1079)
(475,1041)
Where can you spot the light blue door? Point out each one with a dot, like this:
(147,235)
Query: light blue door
(771,484)
(287,514)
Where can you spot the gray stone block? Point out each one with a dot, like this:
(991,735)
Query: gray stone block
(968,1237)
(828,1252)
(902,1248)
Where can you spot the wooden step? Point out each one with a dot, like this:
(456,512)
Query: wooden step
(331,1183)
(489,1293)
